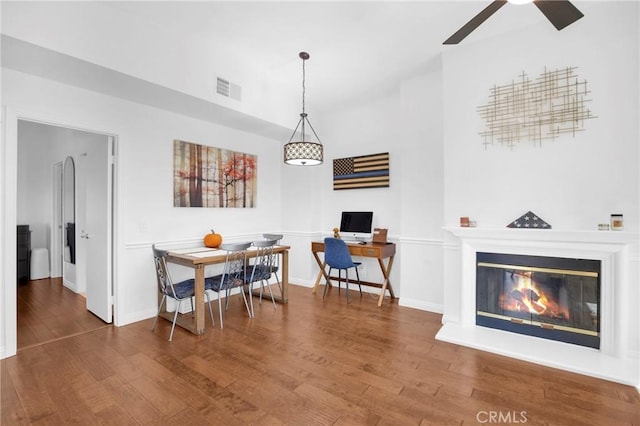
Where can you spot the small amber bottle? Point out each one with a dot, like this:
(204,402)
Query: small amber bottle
(617,222)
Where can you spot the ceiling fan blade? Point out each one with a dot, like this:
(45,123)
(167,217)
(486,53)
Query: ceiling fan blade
(560,12)
(475,22)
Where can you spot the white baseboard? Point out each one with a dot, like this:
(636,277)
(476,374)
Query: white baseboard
(70,285)
(135,317)
(301,282)
(423,306)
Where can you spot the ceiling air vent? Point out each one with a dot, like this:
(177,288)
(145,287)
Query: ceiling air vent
(230,90)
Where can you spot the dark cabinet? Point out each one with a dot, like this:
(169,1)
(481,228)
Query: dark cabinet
(24,253)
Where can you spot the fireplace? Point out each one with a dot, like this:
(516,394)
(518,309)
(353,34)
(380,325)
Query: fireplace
(604,338)
(548,297)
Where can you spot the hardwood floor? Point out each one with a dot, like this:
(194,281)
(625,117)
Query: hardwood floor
(312,362)
(47,311)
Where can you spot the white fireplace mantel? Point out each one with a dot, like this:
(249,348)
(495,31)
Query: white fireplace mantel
(618,358)
(546,235)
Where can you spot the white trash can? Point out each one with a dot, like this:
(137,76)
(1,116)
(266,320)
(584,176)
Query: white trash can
(39,264)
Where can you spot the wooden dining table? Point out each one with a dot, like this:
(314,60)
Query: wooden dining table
(198,258)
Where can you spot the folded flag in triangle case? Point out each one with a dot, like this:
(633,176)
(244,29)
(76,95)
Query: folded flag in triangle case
(529,220)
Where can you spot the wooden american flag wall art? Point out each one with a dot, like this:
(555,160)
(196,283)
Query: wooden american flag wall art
(365,171)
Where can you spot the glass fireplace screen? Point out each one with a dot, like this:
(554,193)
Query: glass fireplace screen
(549,297)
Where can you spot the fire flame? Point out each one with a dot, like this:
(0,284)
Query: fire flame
(528,297)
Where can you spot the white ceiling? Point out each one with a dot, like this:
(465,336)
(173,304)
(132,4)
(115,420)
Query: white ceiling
(359,49)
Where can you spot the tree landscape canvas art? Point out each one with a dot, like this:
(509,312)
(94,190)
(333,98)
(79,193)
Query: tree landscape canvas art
(205,176)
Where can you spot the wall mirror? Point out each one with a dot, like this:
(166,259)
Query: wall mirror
(69,209)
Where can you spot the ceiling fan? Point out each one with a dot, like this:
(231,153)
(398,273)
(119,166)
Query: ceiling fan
(560,12)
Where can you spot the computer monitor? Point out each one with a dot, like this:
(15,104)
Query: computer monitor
(356,226)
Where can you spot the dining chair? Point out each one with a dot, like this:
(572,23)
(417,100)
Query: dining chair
(261,269)
(180,291)
(337,256)
(275,257)
(233,275)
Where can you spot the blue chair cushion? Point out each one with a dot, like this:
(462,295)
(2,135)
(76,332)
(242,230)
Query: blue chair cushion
(261,272)
(183,289)
(215,282)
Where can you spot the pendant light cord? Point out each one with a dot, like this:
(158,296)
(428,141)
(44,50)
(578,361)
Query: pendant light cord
(304,88)
(303,117)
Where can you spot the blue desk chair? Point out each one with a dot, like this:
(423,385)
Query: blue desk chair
(181,291)
(337,256)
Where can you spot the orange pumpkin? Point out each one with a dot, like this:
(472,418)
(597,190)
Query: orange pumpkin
(212,240)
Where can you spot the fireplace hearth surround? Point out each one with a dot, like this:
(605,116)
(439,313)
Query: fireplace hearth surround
(610,323)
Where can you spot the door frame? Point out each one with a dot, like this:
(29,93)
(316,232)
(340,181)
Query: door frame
(8,218)
(56,221)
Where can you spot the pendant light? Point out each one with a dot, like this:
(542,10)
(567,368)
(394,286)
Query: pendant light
(303,152)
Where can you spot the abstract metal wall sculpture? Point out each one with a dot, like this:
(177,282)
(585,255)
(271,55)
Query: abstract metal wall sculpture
(535,110)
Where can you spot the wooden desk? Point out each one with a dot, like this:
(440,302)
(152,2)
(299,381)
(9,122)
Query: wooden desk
(199,257)
(374,250)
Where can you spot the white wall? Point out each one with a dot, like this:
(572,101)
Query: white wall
(362,130)
(422,187)
(572,182)
(408,125)
(144,211)
(34,177)
(142,48)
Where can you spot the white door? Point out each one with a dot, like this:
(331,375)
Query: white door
(96,234)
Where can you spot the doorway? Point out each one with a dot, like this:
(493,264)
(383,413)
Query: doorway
(42,148)
(49,311)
